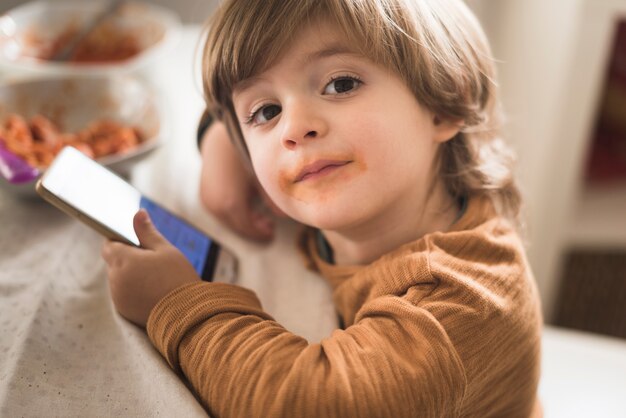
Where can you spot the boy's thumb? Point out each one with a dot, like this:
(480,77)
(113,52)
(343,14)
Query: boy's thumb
(149,236)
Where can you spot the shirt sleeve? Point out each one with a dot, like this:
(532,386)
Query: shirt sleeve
(395,361)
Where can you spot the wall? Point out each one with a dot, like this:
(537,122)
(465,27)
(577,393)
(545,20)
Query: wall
(534,42)
(553,57)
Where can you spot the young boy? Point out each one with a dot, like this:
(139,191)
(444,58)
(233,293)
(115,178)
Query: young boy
(373,122)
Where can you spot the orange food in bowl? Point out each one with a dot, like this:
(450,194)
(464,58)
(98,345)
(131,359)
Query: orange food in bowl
(106,43)
(38,140)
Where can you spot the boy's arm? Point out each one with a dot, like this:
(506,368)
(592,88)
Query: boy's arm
(395,361)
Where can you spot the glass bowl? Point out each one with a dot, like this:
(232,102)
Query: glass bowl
(130,40)
(73,103)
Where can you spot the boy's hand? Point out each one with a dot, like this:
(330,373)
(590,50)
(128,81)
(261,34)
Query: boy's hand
(140,277)
(230,192)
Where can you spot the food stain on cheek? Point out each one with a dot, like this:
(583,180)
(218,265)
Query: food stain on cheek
(322,189)
(285,182)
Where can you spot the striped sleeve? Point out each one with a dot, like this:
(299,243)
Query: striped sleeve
(395,361)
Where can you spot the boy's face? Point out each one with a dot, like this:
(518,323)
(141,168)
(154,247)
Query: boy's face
(336,140)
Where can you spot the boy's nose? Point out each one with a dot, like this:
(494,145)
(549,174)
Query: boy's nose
(302,123)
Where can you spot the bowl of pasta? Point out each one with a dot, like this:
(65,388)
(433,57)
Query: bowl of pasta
(117,121)
(129,39)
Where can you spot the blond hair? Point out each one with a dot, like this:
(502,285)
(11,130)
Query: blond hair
(436,46)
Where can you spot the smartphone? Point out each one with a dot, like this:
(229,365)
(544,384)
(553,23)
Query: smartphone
(104,201)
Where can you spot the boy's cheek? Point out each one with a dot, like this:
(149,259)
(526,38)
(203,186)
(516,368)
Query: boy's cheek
(278,196)
(271,174)
(268,179)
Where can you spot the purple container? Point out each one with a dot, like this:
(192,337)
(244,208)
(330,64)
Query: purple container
(13,169)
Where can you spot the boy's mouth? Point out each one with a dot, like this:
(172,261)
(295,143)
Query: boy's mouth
(319,168)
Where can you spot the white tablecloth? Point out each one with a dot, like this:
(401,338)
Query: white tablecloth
(65,352)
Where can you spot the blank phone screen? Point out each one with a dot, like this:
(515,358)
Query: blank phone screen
(111,201)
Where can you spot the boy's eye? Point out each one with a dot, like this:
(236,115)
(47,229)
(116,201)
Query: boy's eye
(264,114)
(342,84)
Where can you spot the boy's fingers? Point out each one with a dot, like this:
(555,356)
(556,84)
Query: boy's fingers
(110,250)
(262,223)
(149,236)
(252,224)
(106,251)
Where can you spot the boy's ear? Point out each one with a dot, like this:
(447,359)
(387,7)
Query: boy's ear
(446,129)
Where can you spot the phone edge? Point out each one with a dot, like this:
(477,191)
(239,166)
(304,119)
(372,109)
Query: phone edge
(60,204)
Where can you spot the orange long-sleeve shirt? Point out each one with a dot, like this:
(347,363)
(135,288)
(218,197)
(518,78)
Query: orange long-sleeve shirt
(448,325)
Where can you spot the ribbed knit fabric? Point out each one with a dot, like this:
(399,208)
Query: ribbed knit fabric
(446,326)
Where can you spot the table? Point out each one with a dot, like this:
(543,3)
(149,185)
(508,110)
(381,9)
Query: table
(583,375)
(65,352)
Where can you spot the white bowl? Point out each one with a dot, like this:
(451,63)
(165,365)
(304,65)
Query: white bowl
(154,28)
(74,102)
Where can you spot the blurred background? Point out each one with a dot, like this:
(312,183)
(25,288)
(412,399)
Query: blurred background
(562,69)
(562,73)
